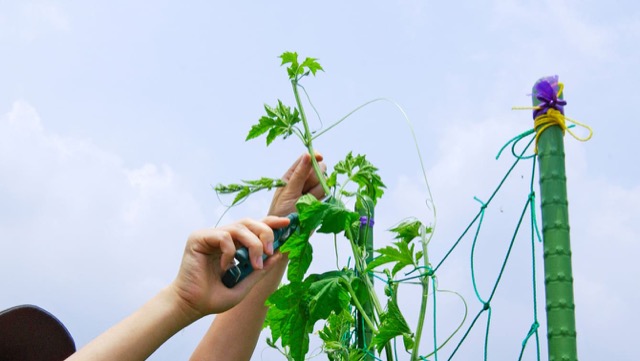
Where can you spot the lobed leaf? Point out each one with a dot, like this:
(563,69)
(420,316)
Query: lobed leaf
(408,230)
(288,318)
(337,325)
(400,253)
(312,65)
(392,324)
(296,70)
(332,217)
(248,187)
(296,307)
(327,294)
(289,57)
(263,126)
(363,173)
(279,121)
(300,253)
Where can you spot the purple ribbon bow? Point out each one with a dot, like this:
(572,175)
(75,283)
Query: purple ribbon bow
(546,91)
(364,221)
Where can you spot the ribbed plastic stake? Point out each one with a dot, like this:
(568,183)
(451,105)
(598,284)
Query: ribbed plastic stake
(560,307)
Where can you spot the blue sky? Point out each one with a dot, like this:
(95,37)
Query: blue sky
(116,118)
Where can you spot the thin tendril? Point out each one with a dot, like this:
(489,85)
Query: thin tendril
(312,106)
(430,202)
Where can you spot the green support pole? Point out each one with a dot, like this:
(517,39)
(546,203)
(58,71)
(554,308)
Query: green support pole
(560,307)
(364,334)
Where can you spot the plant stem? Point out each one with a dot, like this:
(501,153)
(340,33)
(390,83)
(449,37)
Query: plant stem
(425,297)
(373,296)
(358,305)
(308,140)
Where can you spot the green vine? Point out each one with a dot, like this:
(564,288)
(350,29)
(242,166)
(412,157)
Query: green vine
(339,297)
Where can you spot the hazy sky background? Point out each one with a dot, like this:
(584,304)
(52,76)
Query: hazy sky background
(117,117)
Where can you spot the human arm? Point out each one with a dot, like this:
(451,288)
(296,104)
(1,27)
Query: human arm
(233,334)
(196,291)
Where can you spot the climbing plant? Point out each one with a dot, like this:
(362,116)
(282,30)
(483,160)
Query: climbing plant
(358,324)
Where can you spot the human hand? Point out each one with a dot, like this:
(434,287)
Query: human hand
(301,179)
(210,252)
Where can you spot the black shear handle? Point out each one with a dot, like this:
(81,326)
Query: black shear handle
(243,266)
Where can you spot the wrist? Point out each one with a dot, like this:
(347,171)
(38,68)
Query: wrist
(141,333)
(181,311)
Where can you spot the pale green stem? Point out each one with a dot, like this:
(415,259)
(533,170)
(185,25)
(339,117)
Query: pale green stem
(425,297)
(347,116)
(358,305)
(374,296)
(308,140)
(415,142)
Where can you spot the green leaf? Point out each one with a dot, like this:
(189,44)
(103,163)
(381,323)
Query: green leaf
(310,212)
(287,296)
(273,134)
(264,125)
(281,301)
(335,344)
(331,181)
(295,308)
(336,219)
(400,253)
(288,318)
(297,336)
(249,187)
(361,292)
(244,193)
(335,328)
(407,230)
(409,341)
(312,65)
(356,354)
(296,70)
(289,57)
(363,173)
(279,121)
(300,253)
(327,295)
(332,217)
(392,324)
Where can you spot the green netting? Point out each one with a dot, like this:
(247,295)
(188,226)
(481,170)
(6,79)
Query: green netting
(429,272)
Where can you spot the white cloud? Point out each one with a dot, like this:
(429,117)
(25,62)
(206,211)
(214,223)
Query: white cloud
(148,181)
(605,223)
(587,37)
(31,20)
(83,235)
(47,14)
(552,26)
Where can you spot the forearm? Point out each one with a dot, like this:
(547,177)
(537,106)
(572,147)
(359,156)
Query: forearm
(233,334)
(140,334)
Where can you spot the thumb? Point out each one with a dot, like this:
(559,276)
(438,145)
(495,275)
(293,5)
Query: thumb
(295,183)
(298,179)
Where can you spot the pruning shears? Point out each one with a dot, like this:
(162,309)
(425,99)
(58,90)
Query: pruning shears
(243,266)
